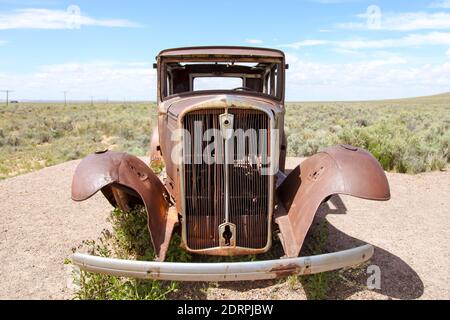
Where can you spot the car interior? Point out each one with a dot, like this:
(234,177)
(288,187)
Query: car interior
(181,78)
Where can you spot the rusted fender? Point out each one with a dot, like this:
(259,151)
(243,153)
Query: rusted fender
(126,181)
(336,170)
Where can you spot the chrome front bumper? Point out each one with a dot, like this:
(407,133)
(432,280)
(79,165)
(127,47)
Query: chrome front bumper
(235,271)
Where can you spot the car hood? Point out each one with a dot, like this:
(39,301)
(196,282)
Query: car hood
(180,105)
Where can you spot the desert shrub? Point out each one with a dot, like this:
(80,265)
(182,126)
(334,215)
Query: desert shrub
(129,240)
(70,154)
(131,233)
(407,136)
(411,135)
(43,137)
(395,147)
(60,134)
(13,140)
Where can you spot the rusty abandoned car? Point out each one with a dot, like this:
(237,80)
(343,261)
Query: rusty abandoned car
(220,135)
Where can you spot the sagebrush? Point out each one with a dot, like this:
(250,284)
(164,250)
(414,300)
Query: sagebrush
(407,136)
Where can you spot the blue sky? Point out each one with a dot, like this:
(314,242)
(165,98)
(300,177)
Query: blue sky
(337,49)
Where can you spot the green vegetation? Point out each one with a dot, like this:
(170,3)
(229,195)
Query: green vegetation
(323,285)
(33,136)
(408,136)
(316,286)
(129,240)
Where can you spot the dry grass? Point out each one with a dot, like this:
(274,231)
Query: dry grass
(410,135)
(407,136)
(33,136)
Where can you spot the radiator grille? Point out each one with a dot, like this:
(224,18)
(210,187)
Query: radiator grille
(204,184)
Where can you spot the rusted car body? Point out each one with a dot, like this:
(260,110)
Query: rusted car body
(227,193)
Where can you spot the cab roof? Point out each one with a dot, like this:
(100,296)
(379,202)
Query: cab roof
(221,51)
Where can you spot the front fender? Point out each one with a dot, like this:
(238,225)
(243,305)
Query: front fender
(336,170)
(127,181)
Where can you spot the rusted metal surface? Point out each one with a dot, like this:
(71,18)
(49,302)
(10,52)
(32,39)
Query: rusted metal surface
(291,269)
(232,103)
(175,110)
(155,148)
(186,62)
(336,170)
(177,107)
(205,194)
(127,181)
(226,209)
(221,51)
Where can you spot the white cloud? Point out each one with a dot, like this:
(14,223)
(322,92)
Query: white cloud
(305,43)
(54,19)
(346,51)
(254,41)
(441,4)
(103,79)
(386,76)
(2,42)
(448,53)
(408,21)
(411,40)
(372,79)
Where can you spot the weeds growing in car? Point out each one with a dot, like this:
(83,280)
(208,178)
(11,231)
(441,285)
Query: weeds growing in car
(321,285)
(316,286)
(128,240)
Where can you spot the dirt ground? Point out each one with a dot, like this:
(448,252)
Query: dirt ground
(39,225)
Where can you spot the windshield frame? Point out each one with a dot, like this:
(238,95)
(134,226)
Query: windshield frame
(162,74)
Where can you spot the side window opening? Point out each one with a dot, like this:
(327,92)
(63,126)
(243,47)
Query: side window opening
(169,84)
(271,81)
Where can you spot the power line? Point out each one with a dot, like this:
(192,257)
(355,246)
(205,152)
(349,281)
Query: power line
(7,95)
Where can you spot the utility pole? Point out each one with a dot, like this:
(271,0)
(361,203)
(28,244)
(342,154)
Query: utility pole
(65,98)
(92,101)
(7,95)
